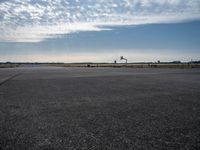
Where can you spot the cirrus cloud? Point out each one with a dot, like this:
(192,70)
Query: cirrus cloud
(37,20)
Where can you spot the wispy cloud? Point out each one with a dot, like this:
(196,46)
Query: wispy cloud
(37,20)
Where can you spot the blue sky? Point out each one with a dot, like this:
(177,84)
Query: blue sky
(99,31)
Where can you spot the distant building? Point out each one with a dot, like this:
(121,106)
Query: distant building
(176,62)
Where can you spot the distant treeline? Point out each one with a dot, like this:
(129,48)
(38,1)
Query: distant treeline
(31,63)
(158,64)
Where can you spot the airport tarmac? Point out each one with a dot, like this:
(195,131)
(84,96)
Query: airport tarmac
(61,108)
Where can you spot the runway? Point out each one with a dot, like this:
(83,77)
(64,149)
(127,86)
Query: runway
(99,108)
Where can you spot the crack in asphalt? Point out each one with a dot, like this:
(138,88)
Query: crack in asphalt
(9,78)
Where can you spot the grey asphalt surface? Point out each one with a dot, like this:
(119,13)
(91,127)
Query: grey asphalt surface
(56,108)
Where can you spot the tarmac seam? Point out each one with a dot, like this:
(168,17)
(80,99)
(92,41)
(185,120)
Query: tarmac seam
(11,77)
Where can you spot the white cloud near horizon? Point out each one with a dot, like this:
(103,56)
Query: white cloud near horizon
(101,57)
(37,20)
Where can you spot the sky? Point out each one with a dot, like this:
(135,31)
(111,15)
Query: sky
(99,30)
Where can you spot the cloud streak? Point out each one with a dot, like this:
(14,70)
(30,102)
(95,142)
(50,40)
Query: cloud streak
(37,20)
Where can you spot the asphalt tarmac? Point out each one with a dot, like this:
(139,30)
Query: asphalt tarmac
(54,108)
